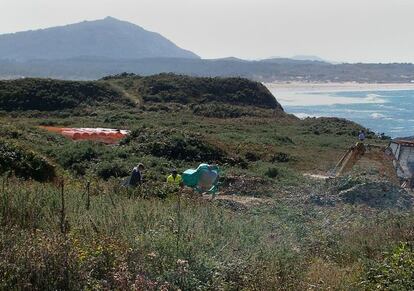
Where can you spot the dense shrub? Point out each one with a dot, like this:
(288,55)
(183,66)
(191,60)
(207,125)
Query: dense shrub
(395,272)
(272,172)
(173,144)
(218,110)
(252,157)
(24,163)
(77,156)
(333,125)
(281,158)
(46,94)
(109,169)
(185,148)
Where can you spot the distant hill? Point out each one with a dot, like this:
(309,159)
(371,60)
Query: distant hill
(284,70)
(292,61)
(308,58)
(106,38)
(91,50)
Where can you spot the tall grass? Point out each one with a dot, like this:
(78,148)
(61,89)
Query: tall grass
(125,241)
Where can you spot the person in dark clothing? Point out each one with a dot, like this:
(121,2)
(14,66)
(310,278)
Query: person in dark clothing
(135,178)
(361,136)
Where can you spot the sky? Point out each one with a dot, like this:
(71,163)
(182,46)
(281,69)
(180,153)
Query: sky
(336,30)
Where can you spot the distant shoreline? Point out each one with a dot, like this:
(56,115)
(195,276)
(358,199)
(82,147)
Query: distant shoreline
(335,87)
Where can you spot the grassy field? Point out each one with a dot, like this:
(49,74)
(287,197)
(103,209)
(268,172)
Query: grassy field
(77,228)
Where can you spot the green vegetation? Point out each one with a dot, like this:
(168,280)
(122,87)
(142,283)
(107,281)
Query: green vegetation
(270,227)
(183,89)
(395,272)
(24,163)
(173,144)
(46,94)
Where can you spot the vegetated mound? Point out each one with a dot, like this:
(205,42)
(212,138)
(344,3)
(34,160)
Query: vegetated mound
(24,163)
(48,95)
(181,89)
(222,110)
(333,125)
(174,144)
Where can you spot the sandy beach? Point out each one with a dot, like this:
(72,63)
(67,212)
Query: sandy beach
(314,94)
(337,87)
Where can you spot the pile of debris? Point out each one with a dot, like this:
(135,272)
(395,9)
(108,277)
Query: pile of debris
(377,194)
(362,190)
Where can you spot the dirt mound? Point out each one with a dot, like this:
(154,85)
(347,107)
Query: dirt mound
(245,185)
(378,194)
(237,203)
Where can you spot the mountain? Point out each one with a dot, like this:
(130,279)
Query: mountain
(105,38)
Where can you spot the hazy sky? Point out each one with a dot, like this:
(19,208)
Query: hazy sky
(338,30)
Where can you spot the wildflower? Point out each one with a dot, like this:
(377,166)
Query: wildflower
(182,262)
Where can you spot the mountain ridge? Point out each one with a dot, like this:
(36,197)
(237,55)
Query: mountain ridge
(108,37)
(282,70)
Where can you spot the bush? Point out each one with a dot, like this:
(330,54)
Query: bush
(107,170)
(218,110)
(46,94)
(174,145)
(281,158)
(25,164)
(395,272)
(272,172)
(333,125)
(185,148)
(76,156)
(252,157)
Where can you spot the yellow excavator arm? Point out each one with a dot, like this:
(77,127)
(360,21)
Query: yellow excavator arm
(350,158)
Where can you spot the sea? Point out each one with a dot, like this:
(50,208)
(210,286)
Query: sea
(389,111)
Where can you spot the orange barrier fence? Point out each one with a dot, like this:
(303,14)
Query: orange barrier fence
(106,135)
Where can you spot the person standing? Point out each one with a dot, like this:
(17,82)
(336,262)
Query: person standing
(361,136)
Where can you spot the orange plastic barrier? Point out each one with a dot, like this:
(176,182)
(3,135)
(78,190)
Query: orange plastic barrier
(106,135)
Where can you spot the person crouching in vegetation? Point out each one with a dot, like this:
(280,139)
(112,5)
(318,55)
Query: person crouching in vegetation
(175,179)
(135,178)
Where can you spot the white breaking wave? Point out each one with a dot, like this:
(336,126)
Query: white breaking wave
(303,115)
(374,98)
(324,98)
(377,115)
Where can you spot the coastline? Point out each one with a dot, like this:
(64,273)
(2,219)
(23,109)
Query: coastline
(336,87)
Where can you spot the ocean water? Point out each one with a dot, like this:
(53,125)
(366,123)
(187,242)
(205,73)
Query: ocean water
(390,112)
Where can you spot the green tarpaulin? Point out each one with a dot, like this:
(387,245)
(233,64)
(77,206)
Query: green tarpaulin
(203,179)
